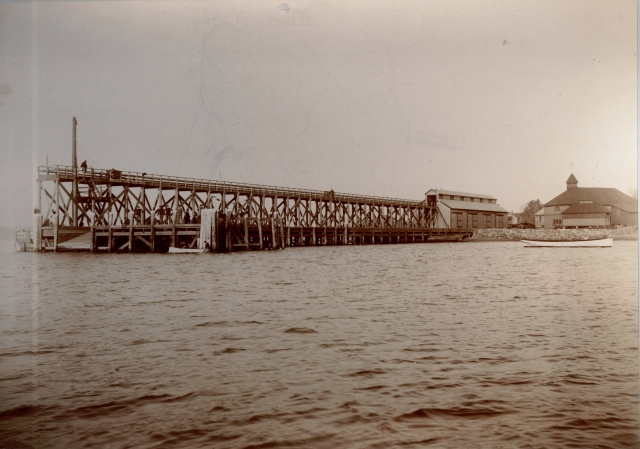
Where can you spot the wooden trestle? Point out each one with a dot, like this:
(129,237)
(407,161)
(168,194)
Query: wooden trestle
(129,211)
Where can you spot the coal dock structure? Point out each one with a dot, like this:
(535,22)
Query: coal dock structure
(86,209)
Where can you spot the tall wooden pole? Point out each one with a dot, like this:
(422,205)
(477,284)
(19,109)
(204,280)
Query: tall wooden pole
(74,156)
(74,162)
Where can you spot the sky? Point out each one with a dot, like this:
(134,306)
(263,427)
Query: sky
(505,98)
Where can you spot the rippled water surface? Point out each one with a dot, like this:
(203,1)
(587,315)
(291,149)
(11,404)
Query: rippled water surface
(441,345)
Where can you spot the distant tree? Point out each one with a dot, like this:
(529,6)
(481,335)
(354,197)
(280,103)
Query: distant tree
(529,211)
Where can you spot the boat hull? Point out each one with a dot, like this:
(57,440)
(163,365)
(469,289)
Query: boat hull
(24,239)
(185,250)
(596,243)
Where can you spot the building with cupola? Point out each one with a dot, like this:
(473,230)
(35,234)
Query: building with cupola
(589,207)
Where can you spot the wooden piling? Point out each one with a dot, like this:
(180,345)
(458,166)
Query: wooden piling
(130,215)
(37,233)
(143,209)
(273,232)
(214,231)
(313,236)
(92,245)
(260,228)
(174,231)
(152,237)
(288,236)
(246,233)
(280,222)
(110,232)
(229,240)
(55,235)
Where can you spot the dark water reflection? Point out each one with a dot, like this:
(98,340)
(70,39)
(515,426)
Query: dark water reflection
(448,345)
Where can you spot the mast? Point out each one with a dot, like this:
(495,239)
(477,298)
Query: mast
(74,162)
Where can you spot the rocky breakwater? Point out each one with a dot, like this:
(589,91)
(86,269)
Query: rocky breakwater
(626,233)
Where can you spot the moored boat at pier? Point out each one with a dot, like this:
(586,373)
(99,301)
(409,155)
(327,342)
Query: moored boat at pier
(173,249)
(24,239)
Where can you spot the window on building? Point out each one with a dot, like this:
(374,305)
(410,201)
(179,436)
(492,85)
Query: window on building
(501,221)
(557,223)
(557,208)
(459,220)
(474,220)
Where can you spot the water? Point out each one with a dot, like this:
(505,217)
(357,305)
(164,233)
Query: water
(426,345)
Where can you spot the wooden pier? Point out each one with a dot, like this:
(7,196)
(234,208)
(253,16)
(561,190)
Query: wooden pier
(111,210)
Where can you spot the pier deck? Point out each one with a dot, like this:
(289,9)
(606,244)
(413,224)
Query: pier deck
(112,210)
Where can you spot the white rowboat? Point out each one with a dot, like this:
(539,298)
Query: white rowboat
(595,243)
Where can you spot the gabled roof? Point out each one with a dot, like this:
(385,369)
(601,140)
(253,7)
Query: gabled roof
(604,195)
(468,205)
(540,212)
(587,208)
(572,179)
(454,193)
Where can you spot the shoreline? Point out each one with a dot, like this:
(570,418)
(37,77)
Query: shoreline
(516,240)
(515,235)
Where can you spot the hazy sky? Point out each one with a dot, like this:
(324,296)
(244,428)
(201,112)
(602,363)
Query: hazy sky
(505,98)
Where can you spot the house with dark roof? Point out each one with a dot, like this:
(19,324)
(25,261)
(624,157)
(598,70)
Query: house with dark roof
(460,210)
(584,207)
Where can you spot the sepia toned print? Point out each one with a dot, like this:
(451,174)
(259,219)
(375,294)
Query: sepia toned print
(260,224)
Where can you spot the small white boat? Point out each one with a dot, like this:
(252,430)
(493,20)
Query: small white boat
(594,243)
(173,249)
(24,239)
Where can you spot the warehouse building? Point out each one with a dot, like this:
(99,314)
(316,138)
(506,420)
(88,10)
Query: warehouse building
(459,210)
